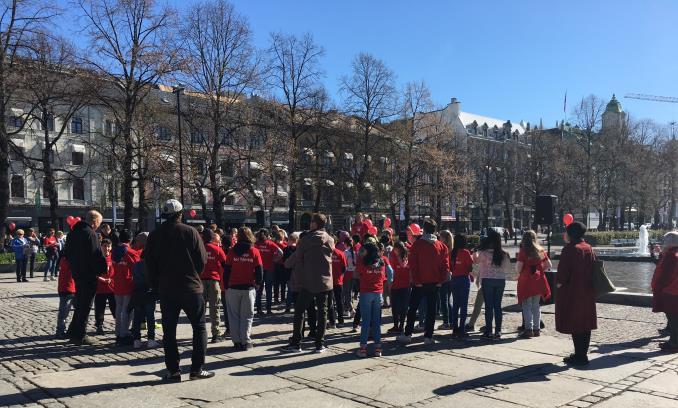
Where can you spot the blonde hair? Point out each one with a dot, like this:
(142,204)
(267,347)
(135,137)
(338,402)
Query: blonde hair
(529,244)
(20,232)
(447,238)
(670,240)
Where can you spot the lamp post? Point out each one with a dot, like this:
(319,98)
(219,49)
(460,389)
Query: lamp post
(177,90)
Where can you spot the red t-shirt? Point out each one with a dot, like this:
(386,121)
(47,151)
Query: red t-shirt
(65,283)
(215,258)
(401,272)
(270,252)
(372,277)
(339,264)
(49,241)
(104,288)
(123,283)
(360,228)
(463,265)
(242,266)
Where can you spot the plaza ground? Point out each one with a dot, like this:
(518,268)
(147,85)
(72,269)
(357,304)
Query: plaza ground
(626,368)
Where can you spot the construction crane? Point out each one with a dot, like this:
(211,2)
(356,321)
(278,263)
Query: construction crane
(654,98)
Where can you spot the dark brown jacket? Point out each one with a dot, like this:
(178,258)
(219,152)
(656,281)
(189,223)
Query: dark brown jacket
(312,262)
(175,256)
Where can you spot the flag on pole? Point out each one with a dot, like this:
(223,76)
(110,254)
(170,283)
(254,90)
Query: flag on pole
(565,103)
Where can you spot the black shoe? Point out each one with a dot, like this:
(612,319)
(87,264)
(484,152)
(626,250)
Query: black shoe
(85,341)
(291,348)
(575,360)
(310,336)
(125,341)
(216,339)
(541,324)
(172,377)
(468,328)
(100,331)
(269,312)
(201,375)
(61,336)
(288,310)
(24,280)
(247,346)
(237,347)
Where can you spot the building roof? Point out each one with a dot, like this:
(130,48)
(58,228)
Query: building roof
(614,105)
(468,118)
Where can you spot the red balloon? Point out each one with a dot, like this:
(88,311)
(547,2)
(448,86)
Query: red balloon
(387,223)
(369,223)
(11,226)
(77,220)
(69,220)
(568,219)
(192,213)
(372,230)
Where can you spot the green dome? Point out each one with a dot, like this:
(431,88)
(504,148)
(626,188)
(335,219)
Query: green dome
(614,105)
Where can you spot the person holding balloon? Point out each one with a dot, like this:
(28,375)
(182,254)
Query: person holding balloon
(21,249)
(361,226)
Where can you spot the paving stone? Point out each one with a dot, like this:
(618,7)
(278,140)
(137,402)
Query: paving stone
(635,399)
(666,382)
(10,395)
(467,399)
(545,391)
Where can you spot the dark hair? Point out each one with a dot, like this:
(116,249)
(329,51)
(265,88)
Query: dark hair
(401,248)
(402,236)
(493,241)
(430,226)
(125,236)
(576,231)
(319,219)
(459,244)
(262,234)
(385,240)
(106,241)
(115,237)
(208,235)
(370,253)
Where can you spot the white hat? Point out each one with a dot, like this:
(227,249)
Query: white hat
(172,206)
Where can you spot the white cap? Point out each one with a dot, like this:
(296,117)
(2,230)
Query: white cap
(172,206)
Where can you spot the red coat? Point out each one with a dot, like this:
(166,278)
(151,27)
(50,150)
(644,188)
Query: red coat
(66,285)
(338,267)
(575,297)
(532,283)
(665,283)
(429,262)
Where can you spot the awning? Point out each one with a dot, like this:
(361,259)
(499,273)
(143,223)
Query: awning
(78,148)
(329,154)
(308,181)
(18,142)
(348,156)
(329,183)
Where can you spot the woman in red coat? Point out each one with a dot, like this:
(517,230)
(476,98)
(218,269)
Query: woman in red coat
(575,297)
(665,289)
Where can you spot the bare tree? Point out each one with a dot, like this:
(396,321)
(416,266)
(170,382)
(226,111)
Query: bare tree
(18,20)
(129,52)
(369,96)
(295,74)
(222,65)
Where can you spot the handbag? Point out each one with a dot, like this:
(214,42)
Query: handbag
(601,282)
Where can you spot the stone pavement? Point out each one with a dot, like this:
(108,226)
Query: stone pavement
(626,368)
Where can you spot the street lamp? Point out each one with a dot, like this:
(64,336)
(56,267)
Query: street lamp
(177,90)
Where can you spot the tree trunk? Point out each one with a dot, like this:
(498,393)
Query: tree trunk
(4,162)
(143,204)
(128,179)
(406,221)
(292,204)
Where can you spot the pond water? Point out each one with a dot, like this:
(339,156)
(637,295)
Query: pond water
(629,276)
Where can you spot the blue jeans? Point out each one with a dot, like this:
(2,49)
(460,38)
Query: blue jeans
(268,285)
(493,291)
(370,311)
(144,312)
(21,269)
(65,305)
(461,286)
(51,265)
(444,301)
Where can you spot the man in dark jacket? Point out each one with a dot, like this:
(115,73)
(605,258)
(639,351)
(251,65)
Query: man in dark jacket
(312,263)
(87,262)
(175,256)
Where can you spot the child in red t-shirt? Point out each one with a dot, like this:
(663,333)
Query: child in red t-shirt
(461,264)
(104,289)
(124,258)
(400,288)
(372,270)
(339,265)
(66,288)
(211,279)
(243,274)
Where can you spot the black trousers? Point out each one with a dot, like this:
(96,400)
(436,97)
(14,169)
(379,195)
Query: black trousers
(429,292)
(336,308)
(303,301)
(223,307)
(85,290)
(100,301)
(581,343)
(193,305)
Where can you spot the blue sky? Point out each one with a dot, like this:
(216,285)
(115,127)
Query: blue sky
(506,59)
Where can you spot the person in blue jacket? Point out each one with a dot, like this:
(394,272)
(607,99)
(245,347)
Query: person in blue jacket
(20,246)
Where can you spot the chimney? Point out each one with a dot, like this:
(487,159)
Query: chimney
(455,106)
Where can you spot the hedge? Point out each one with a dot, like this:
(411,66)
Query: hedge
(604,238)
(8,258)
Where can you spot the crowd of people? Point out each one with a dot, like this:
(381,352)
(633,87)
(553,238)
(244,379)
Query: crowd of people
(325,280)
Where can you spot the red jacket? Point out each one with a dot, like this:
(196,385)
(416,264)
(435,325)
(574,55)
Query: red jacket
(339,264)
(532,279)
(270,253)
(429,262)
(575,297)
(665,283)
(215,259)
(124,259)
(104,288)
(372,277)
(66,285)
(401,272)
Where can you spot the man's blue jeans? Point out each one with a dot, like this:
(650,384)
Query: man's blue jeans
(370,311)
(493,291)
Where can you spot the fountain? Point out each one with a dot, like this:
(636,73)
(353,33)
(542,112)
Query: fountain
(643,243)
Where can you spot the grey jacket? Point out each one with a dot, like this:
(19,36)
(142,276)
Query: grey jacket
(312,262)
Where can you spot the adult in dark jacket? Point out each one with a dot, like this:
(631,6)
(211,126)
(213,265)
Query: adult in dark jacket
(175,256)
(665,289)
(87,262)
(312,280)
(575,297)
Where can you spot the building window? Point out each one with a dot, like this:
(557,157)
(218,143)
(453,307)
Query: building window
(227,168)
(76,125)
(15,121)
(17,186)
(49,122)
(16,153)
(197,137)
(77,158)
(307,192)
(225,136)
(108,128)
(78,189)
(229,200)
(164,133)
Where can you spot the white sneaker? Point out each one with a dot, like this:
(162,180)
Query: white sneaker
(138,344)
(152,344)
(51,278)
(429,341)
(404,339)
(45,279)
